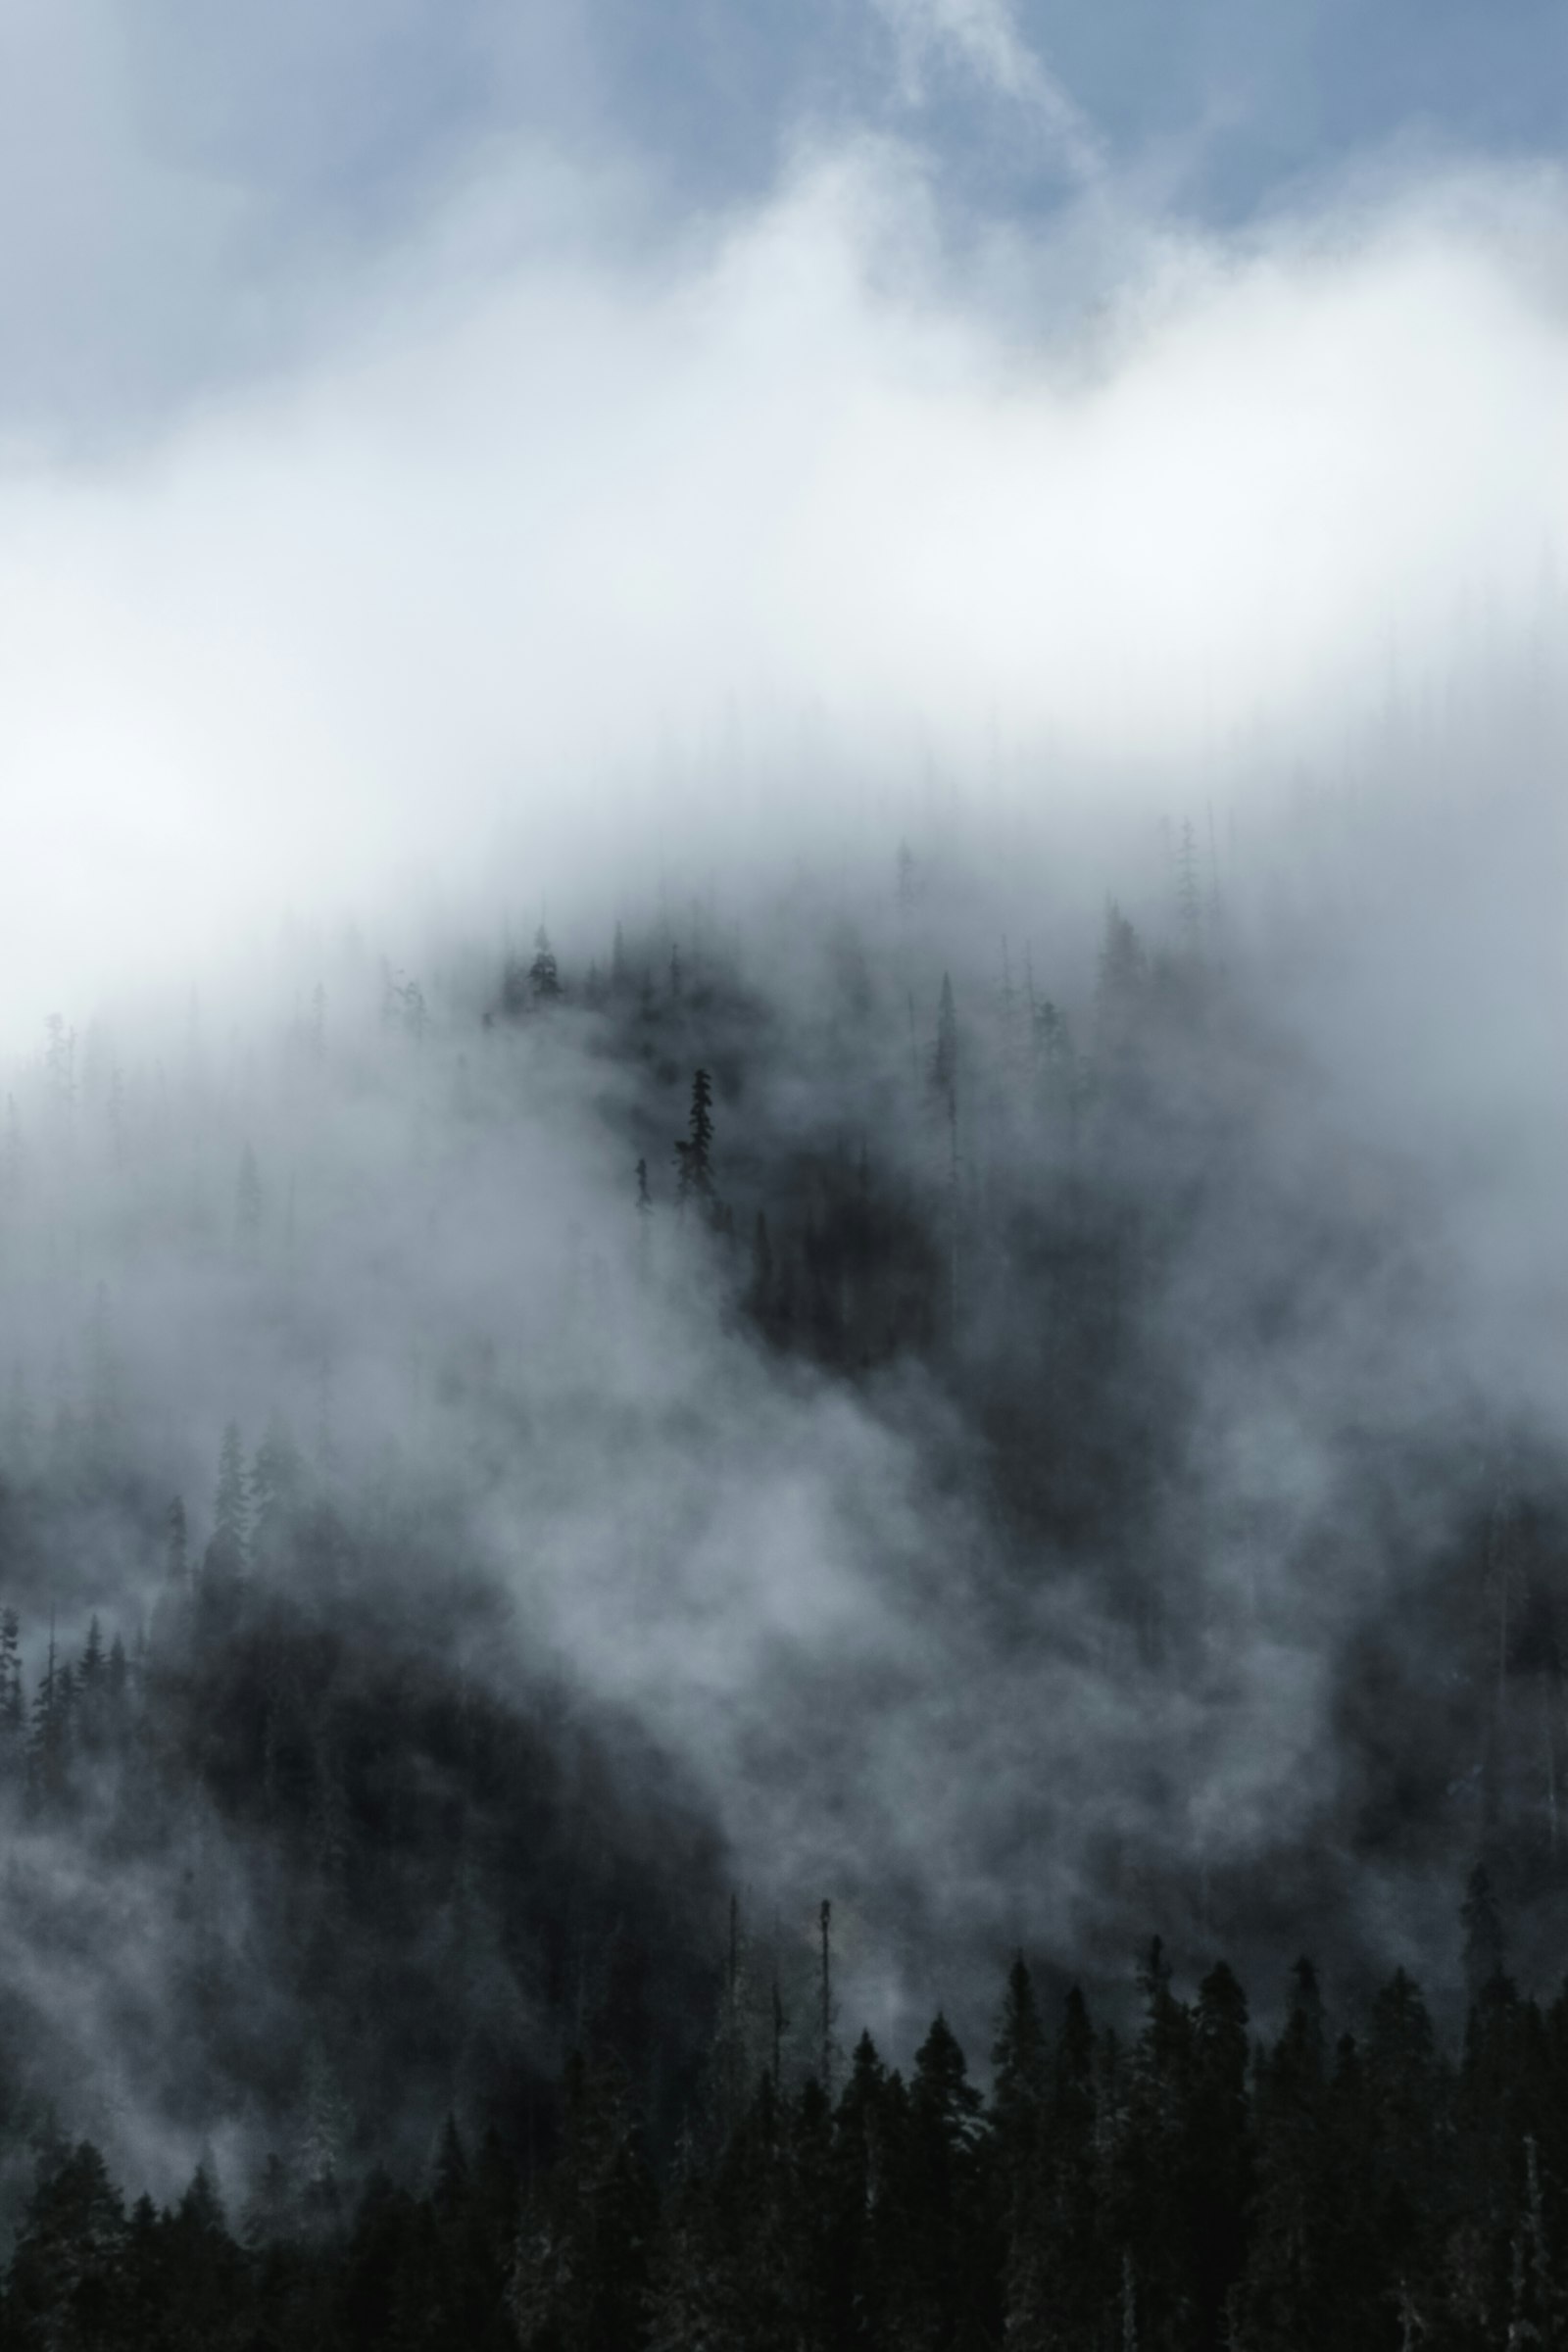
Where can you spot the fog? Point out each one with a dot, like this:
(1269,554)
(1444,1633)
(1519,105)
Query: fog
(554,521)
(1121,1488)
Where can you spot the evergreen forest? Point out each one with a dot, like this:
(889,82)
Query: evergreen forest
(842,1625)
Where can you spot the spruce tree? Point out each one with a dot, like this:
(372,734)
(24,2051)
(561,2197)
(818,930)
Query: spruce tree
(65,2269)
(544,978)
(178,1552)
(694,1156)
(13,1698)
(49,1741)
(225,1561)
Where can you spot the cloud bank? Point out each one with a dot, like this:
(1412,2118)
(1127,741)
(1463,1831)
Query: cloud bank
(554,516)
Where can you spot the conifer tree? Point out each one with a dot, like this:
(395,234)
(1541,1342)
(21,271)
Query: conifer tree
(65,2271)
(544,978)
(1120,983)
(1019,2059)
(582,2276)
(324,2126)
(950,2291)
(49,1741)
(92,1690)
(694,1156)
(275,1483)
(13,1698)
(1484,1955)
(1189,890)
(942,1069)
(1218,2158)
(225,1561)
(177,1553)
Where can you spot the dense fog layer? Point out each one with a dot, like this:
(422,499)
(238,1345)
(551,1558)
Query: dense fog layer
(1079,1448)
(563,546)
(783,1102)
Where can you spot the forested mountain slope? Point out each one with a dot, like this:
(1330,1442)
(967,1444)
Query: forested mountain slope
(525,1479)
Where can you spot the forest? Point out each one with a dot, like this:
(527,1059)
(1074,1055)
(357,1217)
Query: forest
(677,1622)
(783,1114)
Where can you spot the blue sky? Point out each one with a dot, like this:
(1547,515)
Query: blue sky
(1250,95)
(170,172)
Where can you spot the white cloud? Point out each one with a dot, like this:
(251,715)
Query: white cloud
(536,519)
(982,38)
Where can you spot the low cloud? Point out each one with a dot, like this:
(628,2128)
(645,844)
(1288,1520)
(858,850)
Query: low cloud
(558,520)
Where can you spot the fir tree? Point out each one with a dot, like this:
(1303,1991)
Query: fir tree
(65,2269)
(177,1550)
(13,1698)
(1188,891)
(225,1561)
(275,1483)
(582,2276)
(1484,1955)
(694,1156)
(544,979)
(49,1741)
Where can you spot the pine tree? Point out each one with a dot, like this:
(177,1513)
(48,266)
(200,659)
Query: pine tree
(1293,2291)
(275,1483)
(177,1555)
(270,2210)
(942,1093)
(449,2186)
(1410,2097)
(950,2291)
(942,1075)
(49,1741)
(544,979)
(92,1690)
(1218,2163)
(1188,891)
(827,2047)
(225,1561)
(69,2250)
(581,2277)
(1017,2162)
(1484,1955)
(1021,2077)
(513,986)
(694,1158)
(1149,2205)
(59,1064)
(1119,987)
(12,1696)
(326,2127)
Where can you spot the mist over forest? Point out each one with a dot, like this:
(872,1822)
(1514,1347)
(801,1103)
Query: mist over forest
(783,1278)
(1008,1383)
